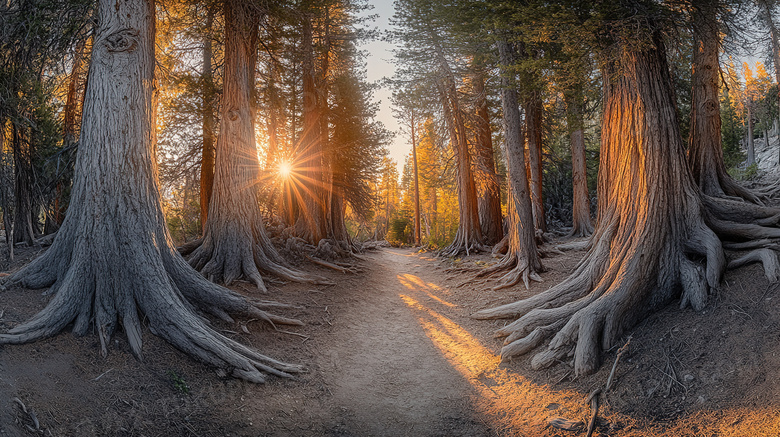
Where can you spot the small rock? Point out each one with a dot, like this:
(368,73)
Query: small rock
(688,378)
(700,399)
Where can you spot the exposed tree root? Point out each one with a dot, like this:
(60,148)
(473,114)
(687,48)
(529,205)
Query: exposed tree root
(161,286)
(464,242)
(225,259)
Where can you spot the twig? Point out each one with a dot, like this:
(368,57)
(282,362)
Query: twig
(305,337)
(593,399)
(103,374)
(620,353)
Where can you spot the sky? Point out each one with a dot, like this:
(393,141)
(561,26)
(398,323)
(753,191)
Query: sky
(379,65)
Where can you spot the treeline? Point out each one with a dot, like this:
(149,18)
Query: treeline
(560,100)
(311,102)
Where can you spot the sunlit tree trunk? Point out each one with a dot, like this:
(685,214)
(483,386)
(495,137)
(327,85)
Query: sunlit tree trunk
(581,223)
(113,260)
(417,237)
(234,243)
(489,203)
(705,151)
(522,258)
(207,114)
(651,243)
(309,163)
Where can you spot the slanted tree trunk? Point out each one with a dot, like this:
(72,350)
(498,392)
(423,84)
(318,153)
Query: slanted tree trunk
(207,114)
(651,242)
(235,244)
(113,260)
(533,132)
(522,258)
(581,224)
(489,202)
(705,150)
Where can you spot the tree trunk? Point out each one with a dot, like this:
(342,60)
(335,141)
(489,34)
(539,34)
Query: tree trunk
(23,186)
(207,113)
(533,131)
(312,222)
(751,150)
(650,240)
(489,203)
(581,224)
(113,259)
(235,243)
(417,232)
(522,258)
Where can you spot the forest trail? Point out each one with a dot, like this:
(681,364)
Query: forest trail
(387,376)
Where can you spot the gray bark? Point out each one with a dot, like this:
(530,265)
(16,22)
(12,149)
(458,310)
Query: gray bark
(113,260)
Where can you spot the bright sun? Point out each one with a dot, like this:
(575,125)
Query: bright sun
(285,169)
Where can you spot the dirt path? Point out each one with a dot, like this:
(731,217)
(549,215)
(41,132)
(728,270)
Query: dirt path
(392,351)
(387,376)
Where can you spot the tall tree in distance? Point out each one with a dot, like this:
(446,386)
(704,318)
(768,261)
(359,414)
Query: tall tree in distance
(522,257)
(489,202)
(705,152)
(113,260)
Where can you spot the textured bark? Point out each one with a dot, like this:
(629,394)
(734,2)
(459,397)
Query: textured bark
(533,132)
(207,114)
(23,186)
(309,163)
(581,223)
(468,238)
(522,258)
(113,259)
(651,243)
(705,152)
(234,243)
(489,202)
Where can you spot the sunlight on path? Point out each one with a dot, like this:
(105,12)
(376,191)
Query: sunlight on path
(512,403)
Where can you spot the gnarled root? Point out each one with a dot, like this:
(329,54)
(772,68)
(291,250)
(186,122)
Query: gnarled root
(517,268)
(152,280)
(765,256)
(234,256)
(609,291)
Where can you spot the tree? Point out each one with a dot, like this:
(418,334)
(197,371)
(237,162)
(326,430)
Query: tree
(705,153)
(235,243)
(646,247)
(113,259)
(489,202)
(522,257)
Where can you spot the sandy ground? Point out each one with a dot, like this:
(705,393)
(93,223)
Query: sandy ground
(392,351)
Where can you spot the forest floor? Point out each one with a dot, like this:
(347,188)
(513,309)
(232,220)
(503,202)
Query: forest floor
(393,351)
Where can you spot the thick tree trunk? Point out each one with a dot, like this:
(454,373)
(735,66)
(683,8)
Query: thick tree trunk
(489,203)
(522,258)
(581,223)
(234,243)
(650,240)
(113,259)
(533,132)
(207,114)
